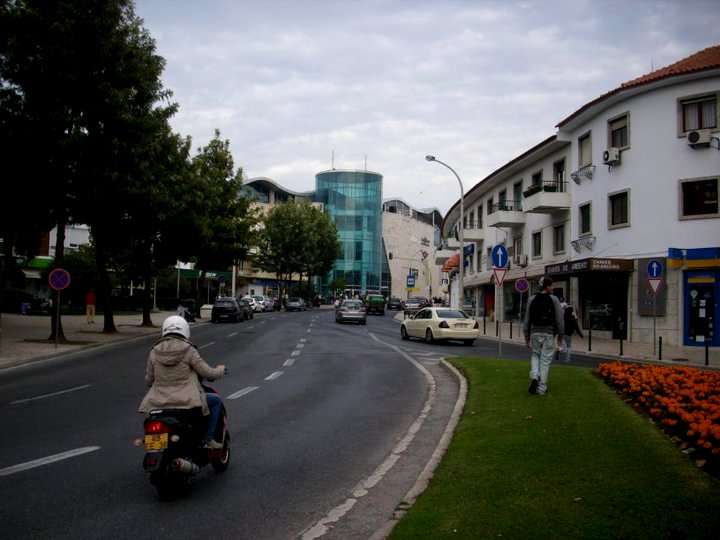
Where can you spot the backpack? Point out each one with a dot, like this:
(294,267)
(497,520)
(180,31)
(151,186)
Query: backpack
(569,320)
(542,311)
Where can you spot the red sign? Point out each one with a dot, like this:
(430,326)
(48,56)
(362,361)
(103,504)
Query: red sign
(59,279)
(654,284)
(499,274)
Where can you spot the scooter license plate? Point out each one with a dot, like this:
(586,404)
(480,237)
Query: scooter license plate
(156,441)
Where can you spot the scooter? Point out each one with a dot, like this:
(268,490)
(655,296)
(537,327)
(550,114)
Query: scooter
(174,450)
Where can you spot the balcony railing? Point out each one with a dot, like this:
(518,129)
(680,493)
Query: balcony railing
(507,206)
(551,187)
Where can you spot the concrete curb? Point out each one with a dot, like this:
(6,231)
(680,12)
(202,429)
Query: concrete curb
(427,473)
(84,349)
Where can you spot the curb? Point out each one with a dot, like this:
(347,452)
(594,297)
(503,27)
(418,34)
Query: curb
(84,349)
(428,472)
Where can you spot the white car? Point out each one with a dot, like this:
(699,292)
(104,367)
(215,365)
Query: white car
(253,303)
(437,323)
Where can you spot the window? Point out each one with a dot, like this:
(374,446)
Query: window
(488,259)
(585,150)
(471,221)
(537,244)
(465,220)
(699,198)
(517,247)
(517,195)
(502,200)
(618,209)
(699,113)
(480,214)
(559,239)
(478,257)
(537,178)
(489,206)
(618,132)
(585,219)
(559,171)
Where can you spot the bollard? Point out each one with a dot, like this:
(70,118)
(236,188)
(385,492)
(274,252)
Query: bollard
(707,351)
(484,330)
(621,345)
(510,329)
(660,348)
(590,339)
(497,328)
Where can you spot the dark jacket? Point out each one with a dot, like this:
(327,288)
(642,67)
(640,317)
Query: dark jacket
(556,330)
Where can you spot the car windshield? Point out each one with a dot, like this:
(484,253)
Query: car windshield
(259,298)
(451,314)
(352,305)
(224,303)
(295,300)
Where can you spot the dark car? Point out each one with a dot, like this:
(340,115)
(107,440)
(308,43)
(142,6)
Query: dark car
(416,303)
(226,308)
(375,303)
(247,310)
(295,304)
(17,301)
(351,310)
(394,304)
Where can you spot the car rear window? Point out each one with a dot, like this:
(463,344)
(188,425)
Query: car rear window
(294,300)
(223,303)
(352,305)
(451,314)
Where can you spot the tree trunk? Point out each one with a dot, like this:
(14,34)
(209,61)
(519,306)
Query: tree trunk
(105,285)
(57,263)
(147,301)
(4,271)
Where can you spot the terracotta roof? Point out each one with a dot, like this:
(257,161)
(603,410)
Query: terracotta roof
(700,61)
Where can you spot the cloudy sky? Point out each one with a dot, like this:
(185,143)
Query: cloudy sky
(475,83)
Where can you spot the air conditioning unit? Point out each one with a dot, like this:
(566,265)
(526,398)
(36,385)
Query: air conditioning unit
(699,137)
(522,260)
(611,156)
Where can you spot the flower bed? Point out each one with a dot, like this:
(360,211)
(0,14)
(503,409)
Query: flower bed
(685,401)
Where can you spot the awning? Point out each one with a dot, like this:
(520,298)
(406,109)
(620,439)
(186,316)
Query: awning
(593,264)
(452,262)
(32,274)
(41,262)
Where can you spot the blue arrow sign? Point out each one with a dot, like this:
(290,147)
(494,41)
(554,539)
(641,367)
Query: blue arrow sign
(410,282)
(654,269)
(499,256)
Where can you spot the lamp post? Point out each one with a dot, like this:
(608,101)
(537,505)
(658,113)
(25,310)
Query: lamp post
(461,266)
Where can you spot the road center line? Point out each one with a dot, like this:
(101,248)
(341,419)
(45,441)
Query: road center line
(289,362)
(274,375)
(295,353)
(299,345)
(243,392)
(308,330)
(233,334)
(47,460)
(303,340)
(52,394)
(206,345)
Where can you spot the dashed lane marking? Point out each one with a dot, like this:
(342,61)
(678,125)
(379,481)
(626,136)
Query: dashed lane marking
(7,471)
(233,334)
(289,362)
(303,340)
(299,345)
(51,394)
(274,375)
(206,345)
(295,353)
(243,392)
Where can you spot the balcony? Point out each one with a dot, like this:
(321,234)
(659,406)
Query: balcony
(471,234)
(506,214)
(547,198)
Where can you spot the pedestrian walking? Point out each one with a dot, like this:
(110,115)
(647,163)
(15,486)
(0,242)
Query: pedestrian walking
(571,326)
(543,328)
(90,301)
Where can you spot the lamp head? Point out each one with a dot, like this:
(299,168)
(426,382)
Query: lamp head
(429,158)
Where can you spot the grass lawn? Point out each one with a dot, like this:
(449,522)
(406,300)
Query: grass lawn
(577,463)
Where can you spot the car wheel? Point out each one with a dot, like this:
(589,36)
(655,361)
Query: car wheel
(403,333)
(469,342)
(429,339)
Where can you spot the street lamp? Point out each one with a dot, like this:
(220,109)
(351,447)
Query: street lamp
(461,270)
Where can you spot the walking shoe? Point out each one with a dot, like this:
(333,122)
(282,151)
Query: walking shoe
(212,444)
(533,386)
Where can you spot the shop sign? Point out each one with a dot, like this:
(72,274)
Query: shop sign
(590,265)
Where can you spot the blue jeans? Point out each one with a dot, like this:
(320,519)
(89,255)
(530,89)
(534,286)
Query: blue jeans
(215,405)
(543,351)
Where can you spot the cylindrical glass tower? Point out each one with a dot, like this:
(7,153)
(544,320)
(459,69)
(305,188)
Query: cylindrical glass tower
(354,201)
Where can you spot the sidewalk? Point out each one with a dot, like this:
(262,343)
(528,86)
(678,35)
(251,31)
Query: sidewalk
(24,338)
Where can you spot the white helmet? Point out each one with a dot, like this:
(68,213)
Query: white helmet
(176,325)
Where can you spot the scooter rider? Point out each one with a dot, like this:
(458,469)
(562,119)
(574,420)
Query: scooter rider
(172,374)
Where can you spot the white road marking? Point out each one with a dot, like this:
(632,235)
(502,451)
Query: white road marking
(206,345)
(243,392)
(322,526)
(299,345)
(52,394)
(274,375)
(308,330)
(47,460)
(251,327)
(233,334)
(295,353)
(289,362)
(303,340)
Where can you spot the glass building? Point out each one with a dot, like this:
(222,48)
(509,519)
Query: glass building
(354,201)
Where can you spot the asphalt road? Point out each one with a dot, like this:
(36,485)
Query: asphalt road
(319,407)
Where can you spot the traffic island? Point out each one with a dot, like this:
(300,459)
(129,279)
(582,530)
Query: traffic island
(576,463)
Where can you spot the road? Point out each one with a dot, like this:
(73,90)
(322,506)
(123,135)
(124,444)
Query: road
(316,409)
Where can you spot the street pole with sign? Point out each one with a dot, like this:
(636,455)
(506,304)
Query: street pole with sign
(59,280)
(500,260)
(655,279)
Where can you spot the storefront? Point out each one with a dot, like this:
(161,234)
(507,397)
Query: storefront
(602,291)
(701,293)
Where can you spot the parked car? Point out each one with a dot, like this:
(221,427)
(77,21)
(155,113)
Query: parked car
(226,308)
(394,304)
(351,310)
(253,303)
(295,304)
(247,310)
(415,303)
(13,300)
(435,324)
(375,304)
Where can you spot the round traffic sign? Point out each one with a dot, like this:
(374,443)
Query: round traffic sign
(522,285)
(499,255)
(654,269)
(59,279)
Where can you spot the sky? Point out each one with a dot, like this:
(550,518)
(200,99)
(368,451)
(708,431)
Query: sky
(474,83)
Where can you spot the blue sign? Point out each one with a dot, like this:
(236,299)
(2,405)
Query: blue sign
(499,256)
(410,282)
(59,279)
(654,269)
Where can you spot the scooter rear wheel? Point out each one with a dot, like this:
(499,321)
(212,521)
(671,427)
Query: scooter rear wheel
(222,461)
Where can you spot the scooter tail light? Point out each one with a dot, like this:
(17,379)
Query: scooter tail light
(156,426)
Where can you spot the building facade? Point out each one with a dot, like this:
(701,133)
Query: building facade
(628,179)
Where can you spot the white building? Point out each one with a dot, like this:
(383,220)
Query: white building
(75,236)
(644,187)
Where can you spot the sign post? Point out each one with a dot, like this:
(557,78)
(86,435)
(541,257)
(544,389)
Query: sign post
(522,286)
(500,260)
(58,280)
(655,279)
